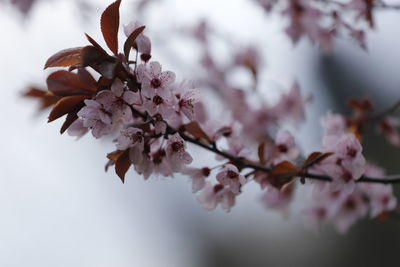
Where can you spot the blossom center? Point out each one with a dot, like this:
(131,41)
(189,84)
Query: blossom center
(206,171)
(157,100)
(347,177)
(351,152)
(137,137)
(158,156)
(350,204)
(155,83)
(283,148)
(232,174)
(385,200)
(218,187)
(177,146)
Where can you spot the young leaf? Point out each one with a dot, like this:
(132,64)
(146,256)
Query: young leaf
(285,168)
(109,23)
(130,41)
(91,55)
(64,58)
(86,77)
(46,98)
(64,83)
(113,156)
(315,158)
(66,105)
(194,129)
(71,117)
(282,174)
(94,43)
(99,60)
(261,152)
(122,165)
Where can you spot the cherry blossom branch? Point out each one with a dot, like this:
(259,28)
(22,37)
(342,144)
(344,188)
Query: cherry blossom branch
(385,112)
(379,4)
(156,119)
(382,5)
(243,163)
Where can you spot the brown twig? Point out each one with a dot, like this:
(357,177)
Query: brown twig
(385,112)
(243,164)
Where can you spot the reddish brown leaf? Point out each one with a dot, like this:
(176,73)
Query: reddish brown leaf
(383,216)
(113,156)
(64,83)
(46,98)
(66,105)
(224,131)
(288,189)
(86,77)
(99,60)
(130,41)
(122,165)
(109,23)
(65,58)
(195,130)
(285,168)
(34,92)
(360,105)
(103,83)
(92,55)
(94,43)
(261,152)
(282,174)
(315,158)
(71,117)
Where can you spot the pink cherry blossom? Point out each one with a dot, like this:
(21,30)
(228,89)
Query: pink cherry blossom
(109,110)
(231,177)
(198,176)
(160,164)
(187,96)
(291,105)
(215,129)
(388,127)
(347,163)
(158,105)
(340,208)
(380,196)
(276,199)
(96,118)
(286,148)
(130,137)
(268,5)
(154,81)
(145,167)
(305,20)
(235,148)
(176,153)
(333,124)
(211,196)
(142,42)
(352,209)
(133,139)
(77,128)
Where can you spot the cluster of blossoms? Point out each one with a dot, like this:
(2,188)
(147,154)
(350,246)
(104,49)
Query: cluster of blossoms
(322,20)
(152,119)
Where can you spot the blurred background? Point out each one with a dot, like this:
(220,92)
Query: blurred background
(59,208)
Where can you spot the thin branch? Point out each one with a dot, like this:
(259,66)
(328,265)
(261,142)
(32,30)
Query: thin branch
(385,112)
(382,5)
(243,163)
(378,5)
